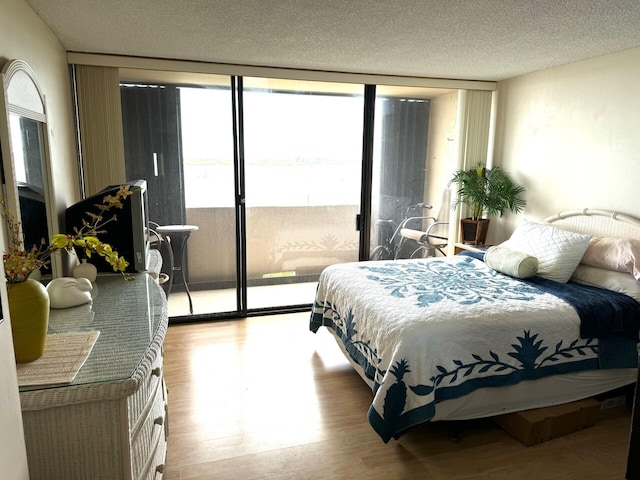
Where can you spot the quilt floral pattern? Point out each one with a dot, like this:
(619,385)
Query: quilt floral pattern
(407,378)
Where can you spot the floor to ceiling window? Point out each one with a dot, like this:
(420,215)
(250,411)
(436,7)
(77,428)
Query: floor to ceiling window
(300,184)
(271,173)
(411,149)
(179,138)
(303,157)
(281,177)
(210,198)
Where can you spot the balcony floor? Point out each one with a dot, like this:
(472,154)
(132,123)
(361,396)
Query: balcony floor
(224,300)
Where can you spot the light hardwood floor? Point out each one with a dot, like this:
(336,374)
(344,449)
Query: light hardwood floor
(264,398)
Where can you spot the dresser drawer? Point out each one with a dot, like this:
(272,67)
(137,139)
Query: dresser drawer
(156,470)
(153,465)
(152,426)
(151,368)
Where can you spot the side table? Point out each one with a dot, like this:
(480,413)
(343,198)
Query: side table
(458,247)
(178,236)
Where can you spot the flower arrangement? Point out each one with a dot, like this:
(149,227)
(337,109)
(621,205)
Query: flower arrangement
(19,263)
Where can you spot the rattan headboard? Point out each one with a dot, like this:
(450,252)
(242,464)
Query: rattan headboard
(599,223)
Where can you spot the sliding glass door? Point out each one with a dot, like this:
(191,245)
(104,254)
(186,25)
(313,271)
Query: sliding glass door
(210,199)
(303,157)
(413,154)
(180,139)
(270,171)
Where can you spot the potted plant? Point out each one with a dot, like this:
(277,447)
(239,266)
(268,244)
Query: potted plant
(486,192)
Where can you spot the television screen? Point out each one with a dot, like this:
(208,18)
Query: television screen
(128,234)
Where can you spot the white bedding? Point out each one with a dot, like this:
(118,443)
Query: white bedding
(402,323)
(554,390)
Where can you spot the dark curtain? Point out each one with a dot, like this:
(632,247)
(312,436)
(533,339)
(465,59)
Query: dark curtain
(153,151)
(405,124)
(153,148)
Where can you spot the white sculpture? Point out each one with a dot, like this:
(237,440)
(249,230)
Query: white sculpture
(68,292)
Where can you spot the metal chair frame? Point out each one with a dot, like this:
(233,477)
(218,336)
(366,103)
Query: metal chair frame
(430,240)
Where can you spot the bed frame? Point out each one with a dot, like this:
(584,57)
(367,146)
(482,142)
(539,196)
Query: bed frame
(599,223)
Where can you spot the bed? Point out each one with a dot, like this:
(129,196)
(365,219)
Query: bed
(458,338)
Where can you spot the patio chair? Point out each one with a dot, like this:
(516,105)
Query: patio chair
(430,234)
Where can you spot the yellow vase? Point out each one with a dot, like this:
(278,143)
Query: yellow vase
(29,311)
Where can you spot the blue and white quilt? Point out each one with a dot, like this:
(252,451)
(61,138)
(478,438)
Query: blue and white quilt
(425,331)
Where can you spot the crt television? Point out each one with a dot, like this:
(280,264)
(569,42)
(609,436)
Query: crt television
(128,234)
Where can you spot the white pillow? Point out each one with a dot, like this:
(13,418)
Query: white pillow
(611,280)
(511,262)
(558,251)
(612,253)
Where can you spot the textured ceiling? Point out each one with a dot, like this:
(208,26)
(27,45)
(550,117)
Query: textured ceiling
(459,39)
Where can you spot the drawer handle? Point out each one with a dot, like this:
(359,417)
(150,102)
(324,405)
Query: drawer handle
(156,372)
(160,468)
(158,421)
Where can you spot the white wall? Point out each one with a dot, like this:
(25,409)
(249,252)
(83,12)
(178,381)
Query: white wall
(571,136)
(442,159)
(24,36)
(13,456)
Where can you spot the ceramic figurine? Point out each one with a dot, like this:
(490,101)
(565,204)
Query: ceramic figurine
(68,292)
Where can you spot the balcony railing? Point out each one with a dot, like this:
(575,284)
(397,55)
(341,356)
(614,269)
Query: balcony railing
(282,242)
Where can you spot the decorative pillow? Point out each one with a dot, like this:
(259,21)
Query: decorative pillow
(612,253)
(558,251)
(511,262)
(601,277)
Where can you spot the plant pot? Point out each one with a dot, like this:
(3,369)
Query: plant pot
(474,231)
(29,311)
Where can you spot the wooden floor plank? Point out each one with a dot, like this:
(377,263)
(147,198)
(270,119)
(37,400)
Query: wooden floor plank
(264,398)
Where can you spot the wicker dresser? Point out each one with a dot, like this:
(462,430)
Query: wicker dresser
(111,421)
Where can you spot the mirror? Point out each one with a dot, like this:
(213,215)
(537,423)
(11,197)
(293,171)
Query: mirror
(25,154)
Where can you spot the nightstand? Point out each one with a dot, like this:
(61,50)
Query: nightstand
(458,247)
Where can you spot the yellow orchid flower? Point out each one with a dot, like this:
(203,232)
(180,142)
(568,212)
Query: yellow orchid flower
(61,241)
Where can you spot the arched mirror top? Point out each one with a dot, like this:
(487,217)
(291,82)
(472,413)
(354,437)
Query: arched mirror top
(23,93)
